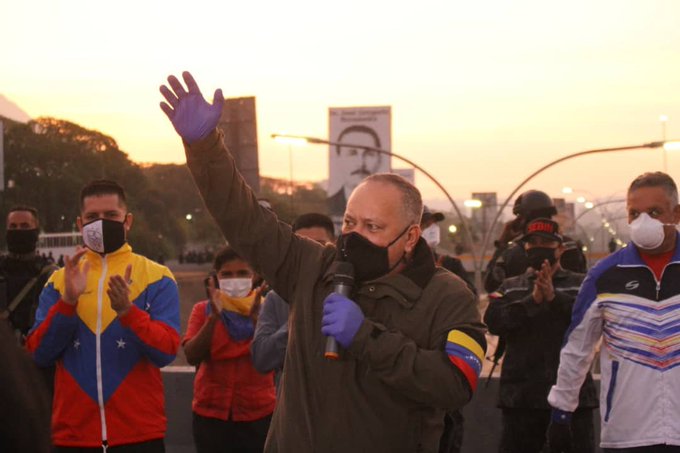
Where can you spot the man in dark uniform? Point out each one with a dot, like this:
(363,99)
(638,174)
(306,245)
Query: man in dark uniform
(510,259)
(23,272)
(532,312)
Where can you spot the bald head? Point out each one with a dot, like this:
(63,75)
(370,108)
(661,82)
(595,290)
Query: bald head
(408,199)
(386,210)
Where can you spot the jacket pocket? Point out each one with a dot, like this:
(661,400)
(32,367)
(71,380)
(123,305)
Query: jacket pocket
(612,387)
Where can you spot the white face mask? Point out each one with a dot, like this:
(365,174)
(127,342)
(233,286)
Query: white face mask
(646,232)
(236,287)
(431,235)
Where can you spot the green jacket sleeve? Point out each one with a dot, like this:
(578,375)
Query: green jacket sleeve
(432,376)
(255,233)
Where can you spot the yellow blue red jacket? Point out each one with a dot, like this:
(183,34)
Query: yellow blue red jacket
(108,387)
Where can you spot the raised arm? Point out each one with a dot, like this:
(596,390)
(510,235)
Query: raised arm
(254,232)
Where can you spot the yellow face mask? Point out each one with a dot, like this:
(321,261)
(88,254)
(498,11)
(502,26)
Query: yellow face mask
(240,305)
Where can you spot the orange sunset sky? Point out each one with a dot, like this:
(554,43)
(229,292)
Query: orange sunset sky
(482,93)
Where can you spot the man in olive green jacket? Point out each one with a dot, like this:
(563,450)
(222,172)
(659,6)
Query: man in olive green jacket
(411,337)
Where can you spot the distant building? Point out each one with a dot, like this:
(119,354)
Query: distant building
(239,124)
(484,216)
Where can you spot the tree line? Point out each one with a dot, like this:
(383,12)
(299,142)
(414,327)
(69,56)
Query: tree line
(48,161)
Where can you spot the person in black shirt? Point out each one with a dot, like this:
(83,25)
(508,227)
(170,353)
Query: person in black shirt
(23,272)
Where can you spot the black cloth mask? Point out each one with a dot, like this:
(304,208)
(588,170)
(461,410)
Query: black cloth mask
(104,235)
(537,255)
(22,242)
(370,261)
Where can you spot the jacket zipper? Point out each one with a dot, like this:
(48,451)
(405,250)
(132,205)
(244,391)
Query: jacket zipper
(657,281)
(100,384)
(663,386)
(610,391)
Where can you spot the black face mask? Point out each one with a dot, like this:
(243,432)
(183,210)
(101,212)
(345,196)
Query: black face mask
(22,242)
(370,261)
(104,235)
(537,255)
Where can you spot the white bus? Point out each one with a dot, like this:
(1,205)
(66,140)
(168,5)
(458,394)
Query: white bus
(59,243)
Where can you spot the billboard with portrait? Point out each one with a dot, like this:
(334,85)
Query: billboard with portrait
(349,163)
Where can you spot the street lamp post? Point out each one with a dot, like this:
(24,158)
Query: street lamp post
(463,221)
(651,145)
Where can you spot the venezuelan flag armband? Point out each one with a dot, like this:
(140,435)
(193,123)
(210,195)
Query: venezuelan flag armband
(466,354)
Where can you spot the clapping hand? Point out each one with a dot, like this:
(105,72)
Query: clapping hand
(544,291)
(119,292)
(75,276)
(213,297)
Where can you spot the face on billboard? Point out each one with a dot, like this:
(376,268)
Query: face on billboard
(355,163)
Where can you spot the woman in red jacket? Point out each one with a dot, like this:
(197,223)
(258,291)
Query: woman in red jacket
(233,403)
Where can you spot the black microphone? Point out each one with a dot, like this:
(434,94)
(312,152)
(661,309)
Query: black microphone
(343,282)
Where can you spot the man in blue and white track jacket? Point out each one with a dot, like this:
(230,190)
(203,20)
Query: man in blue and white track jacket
(630,300)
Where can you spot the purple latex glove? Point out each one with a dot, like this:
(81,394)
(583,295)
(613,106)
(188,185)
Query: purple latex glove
(341,319)
(191,115)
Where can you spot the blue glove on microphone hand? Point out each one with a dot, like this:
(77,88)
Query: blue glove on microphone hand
(191,115)
(341,320)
